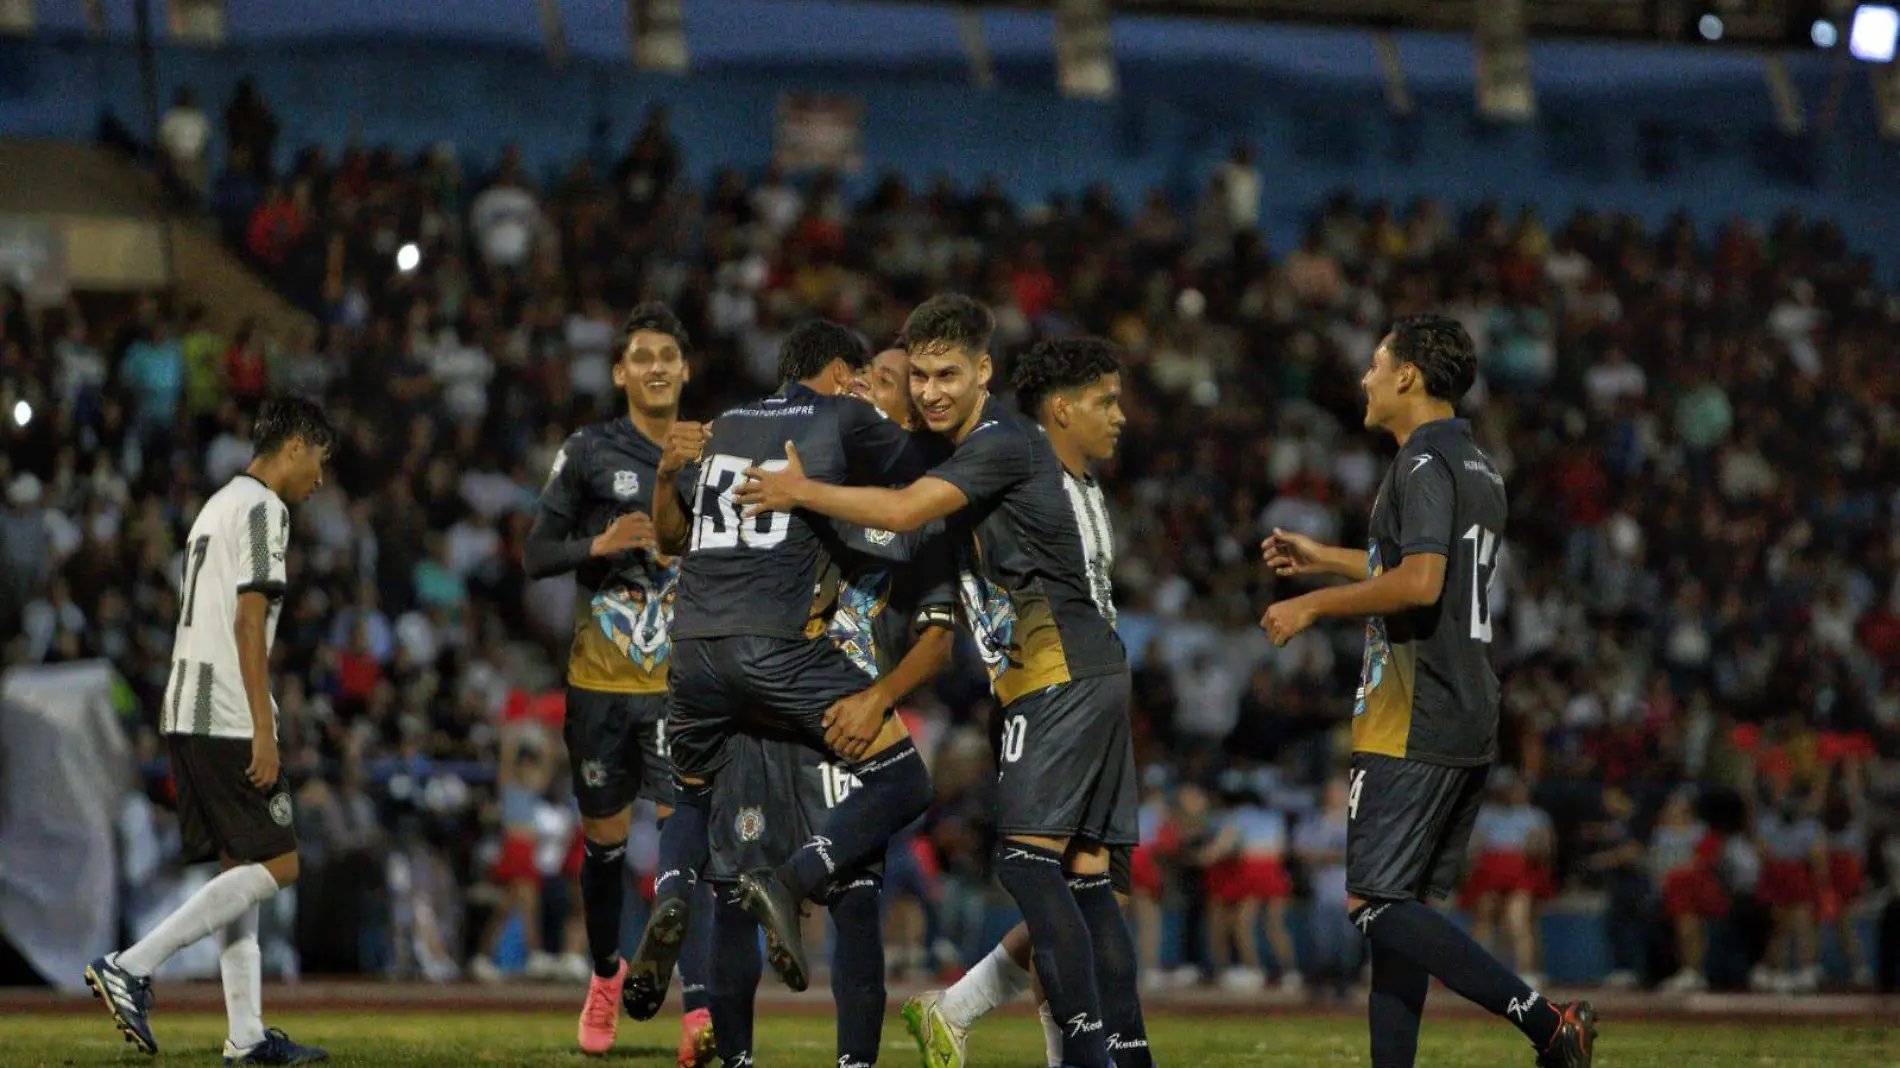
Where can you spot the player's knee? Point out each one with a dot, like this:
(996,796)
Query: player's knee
(283,869)
(1058,846)
(1086,858)
(1353,904)
(610,830)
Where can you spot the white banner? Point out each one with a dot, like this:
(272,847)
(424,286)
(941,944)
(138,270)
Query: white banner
(65,767)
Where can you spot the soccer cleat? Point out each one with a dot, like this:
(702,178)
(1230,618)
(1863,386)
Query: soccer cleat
(600,1013)
(1574,1044)
(768,901)
(277,1048)
(650,972)
(697,1048)
(128,997)
(939,1043)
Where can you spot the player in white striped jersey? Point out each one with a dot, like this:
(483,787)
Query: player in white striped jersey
(1073,390)
(220,726)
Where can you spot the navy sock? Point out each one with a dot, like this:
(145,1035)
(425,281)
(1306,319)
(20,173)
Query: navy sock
(683,844)
(857,973)
(1420,934)
(734,979)
(696,952)
(1395,1008)
(1060,948)
(1117,977)
(896,790)
(603,895)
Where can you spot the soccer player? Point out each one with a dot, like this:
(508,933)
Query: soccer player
(747,658)
(890,600)
(1038,604)
(1073,391)
(595,520)
(1426,719)
(220,726)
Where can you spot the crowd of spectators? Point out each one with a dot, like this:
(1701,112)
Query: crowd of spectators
(1697,615)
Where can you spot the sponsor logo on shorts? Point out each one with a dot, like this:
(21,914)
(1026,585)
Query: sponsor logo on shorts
(626,484)
(749,825)
(593,773)
(879,537)
(280,809)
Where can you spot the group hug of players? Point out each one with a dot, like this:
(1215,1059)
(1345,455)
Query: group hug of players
(760,591)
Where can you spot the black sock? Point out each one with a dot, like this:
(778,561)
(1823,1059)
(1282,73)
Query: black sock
(696,953)
(1417,932)
(857,973)
(683,844)
(1059,941)
(1117,977)
(603,894)
(734,977)
(1396,1006)
(896,791)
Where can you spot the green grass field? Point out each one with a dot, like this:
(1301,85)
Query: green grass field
(1004,1042)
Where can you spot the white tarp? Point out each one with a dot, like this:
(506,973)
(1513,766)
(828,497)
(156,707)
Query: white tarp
(65,767)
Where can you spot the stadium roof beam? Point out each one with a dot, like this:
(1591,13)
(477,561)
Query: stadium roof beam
(554,31)
(976,46)
(1398,92)
(657,29)
(1085,49)
(1746,21)
(1504,62)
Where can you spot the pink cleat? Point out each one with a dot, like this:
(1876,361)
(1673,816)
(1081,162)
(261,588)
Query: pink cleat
(696,1040)
(600,1016)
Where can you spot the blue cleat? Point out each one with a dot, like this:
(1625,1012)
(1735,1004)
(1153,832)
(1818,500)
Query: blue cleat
(277,1048)
(128,997)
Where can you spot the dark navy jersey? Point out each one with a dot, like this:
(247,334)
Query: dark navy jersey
(760,575)
(1027,595)
(1427,689)
(884,584)
(624,610)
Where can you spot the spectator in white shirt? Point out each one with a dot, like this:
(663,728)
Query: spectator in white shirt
(506,219)
(183,133)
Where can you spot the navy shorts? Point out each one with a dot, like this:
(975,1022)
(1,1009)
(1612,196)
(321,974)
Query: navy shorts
(616,743)
(773,689)
(1066,765)
(1408,825)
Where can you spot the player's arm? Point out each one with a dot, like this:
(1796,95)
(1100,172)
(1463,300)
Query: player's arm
(1290,554)
(1415,583)
(934,623)
(253,616)
(900,510)
(552,547)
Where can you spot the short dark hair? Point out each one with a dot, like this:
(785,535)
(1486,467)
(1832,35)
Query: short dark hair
(288,418)
(948,320)
(814,344)
(1441,350)
(1059,364)
(654,316)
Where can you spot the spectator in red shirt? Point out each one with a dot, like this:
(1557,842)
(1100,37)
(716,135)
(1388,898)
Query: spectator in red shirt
(276,225)
(246,370)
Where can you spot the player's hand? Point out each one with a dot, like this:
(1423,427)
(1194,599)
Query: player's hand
(1290,554)
(264,767)
(683,447)
(773,487)
(1286,619)
(626,534)
(851,725)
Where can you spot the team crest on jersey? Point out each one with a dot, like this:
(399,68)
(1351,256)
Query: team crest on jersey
(992,621)
(852,626)
(1378,647)
(879,538)
(634,615)
(593,773)
(280,809)
(749,824)
(626,484)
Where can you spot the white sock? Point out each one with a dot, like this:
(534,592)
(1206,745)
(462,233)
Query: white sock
(994,981)
(242,964)
(216,904)
(1051,1036)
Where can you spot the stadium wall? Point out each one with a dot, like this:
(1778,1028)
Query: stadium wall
(1661,133)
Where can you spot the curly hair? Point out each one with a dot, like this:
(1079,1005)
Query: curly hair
(814,344)
(1053,366)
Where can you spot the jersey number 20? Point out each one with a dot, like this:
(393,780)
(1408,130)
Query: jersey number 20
(1484,550)
(717,523)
